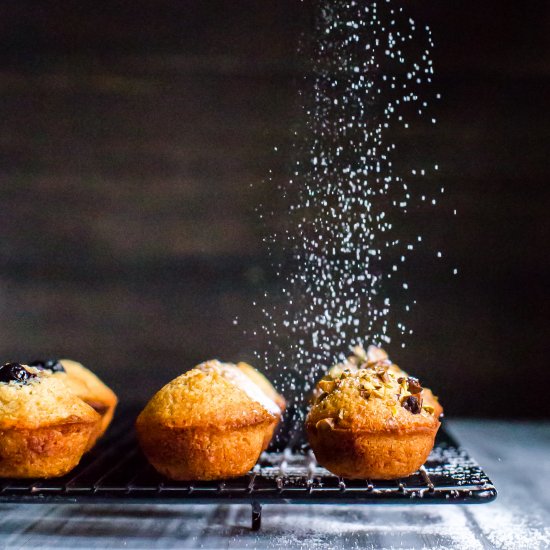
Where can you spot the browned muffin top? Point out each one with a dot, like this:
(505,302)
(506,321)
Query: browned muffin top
(38,399)
(212,395)
(368,392)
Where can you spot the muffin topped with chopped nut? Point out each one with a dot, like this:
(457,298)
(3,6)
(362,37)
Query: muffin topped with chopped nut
(370,419)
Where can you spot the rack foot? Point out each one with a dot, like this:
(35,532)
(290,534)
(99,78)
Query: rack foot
(256,516)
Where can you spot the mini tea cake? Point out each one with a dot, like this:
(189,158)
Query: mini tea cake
(210,423)
(372,420)
(44,429)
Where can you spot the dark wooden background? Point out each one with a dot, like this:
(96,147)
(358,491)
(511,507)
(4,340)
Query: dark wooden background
(130,136)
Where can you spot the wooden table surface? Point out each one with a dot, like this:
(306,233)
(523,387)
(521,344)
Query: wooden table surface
(516,455)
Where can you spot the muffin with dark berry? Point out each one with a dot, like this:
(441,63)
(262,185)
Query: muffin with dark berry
(371,420)
(86,385)
(44,429)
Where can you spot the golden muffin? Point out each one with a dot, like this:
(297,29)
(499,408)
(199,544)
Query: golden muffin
(372,422)
(209,423)
(86,385)
(44,429)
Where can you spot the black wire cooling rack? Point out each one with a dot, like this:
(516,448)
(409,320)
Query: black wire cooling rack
(116,471)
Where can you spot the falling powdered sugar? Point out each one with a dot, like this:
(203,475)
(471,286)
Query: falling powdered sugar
(340,244)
